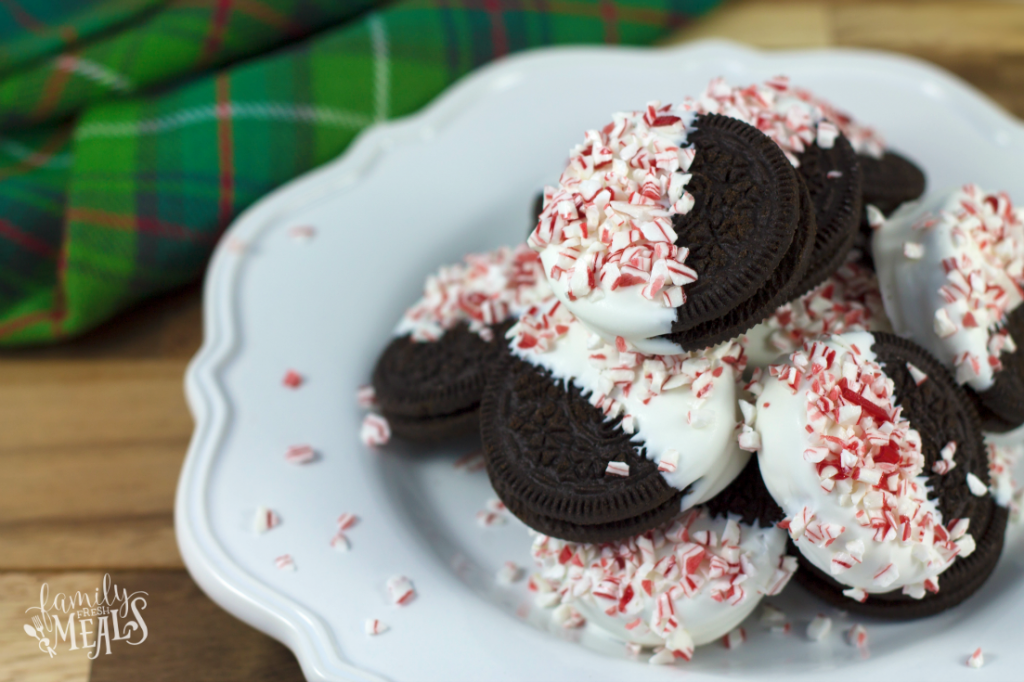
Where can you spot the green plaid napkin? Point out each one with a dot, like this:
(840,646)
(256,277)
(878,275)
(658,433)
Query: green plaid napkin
(116,179)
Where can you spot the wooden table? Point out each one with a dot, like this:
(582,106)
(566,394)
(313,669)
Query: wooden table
(92,433)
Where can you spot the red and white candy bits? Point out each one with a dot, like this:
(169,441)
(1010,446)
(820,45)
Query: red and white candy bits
(300,454)
(366,396)
(976,660)
(819,628)
(792,117)
(400,590)
(610,218)
(285,563)
(734,638)
(485,289)
(372,626)
(292,379)
(375,431)
(265,519)
(857,636)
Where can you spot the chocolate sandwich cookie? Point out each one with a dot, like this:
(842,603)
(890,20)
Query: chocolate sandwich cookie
(890,180)
(665,222)
(430,378)
(548,454)
(882,474)
(430,391)
(740,233)
(833,177)
(748,498)
(950,275)
(592,443)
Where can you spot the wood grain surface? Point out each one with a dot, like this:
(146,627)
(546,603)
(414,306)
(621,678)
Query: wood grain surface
(93,432)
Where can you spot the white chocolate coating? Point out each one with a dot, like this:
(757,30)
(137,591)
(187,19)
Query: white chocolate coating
(734,567)
(940,263)
(699,430)
(840,526)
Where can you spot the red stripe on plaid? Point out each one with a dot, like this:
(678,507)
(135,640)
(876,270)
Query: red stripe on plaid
(52,90)
(13,233)
(225,152)
(27,320)
(498,34)
(130,223)
(218,25)
(610,16)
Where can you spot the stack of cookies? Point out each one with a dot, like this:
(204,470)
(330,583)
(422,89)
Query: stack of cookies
(692,385)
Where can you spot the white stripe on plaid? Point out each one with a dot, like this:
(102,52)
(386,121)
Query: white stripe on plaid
(265,111)
(381,67)
(93,71)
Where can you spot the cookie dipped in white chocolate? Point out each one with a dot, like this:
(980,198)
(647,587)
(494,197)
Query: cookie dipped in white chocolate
(682,409)
(950,268)
(846,466)
(679,586)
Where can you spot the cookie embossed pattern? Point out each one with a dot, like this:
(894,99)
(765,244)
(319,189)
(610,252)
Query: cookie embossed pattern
(281,304)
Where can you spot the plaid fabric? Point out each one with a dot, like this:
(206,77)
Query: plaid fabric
(128,199)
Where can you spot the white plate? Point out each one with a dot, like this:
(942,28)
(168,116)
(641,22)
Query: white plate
(407,197)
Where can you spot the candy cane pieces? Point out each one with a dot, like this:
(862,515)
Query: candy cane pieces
(819,628)
(265,520)
(400,590)
(300,454)
(372,626)
(375,431)
(976,660)
(285,563)
(292,379)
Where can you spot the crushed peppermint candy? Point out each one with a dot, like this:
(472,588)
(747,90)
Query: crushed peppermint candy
(485,289)
(916,374)
(976,486)
(610,218)
(874,216)
(624,370)
(857,636)
(819,628)
(856,594)
(770,615)
(642,578)
(292,379)
(866,453)
(945,463)
(976,660)
(372,626)
(375,430)
(347,520)
(617,469)
(568,617)
(265,520)
(285,563)
(849,300)
(400,590)
(793,117)
(509,573)
(471,461)
(366,396)
(300,454)
(302,233)
(486,519)
(1001,462)
(340,542)
(734,638)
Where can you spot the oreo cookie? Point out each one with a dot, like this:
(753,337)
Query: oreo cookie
(1002,405)
(548,451)
(887,182)
(748,498)
(833,178)
(941,412)
(890,180)
(749,217)
(430,391)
